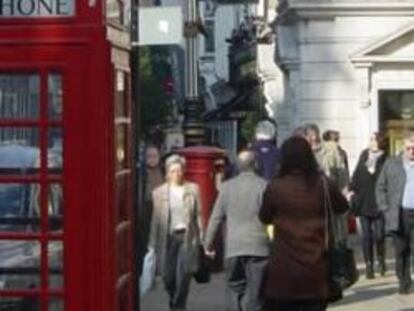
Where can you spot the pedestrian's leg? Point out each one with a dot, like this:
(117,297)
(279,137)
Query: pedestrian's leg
(236,283)
(367,246)
(401,258)
(255,269)
(182,278)
(379,229)
(170,274)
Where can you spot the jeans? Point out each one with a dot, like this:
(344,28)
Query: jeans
(176,280)
(244,276)
(373,234)
(402,243)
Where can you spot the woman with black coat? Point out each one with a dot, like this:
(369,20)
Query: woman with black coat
(364,203)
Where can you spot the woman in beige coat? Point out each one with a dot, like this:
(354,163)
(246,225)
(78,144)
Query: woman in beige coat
(175,231)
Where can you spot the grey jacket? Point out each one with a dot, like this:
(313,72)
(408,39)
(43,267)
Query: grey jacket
(161,221)
(238,203)
(389,191)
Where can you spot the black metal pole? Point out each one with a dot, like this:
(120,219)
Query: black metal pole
(193,106)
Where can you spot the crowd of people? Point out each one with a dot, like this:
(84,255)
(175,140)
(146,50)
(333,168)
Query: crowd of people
(284,188)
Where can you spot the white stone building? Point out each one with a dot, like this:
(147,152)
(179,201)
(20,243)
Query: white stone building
(347,65)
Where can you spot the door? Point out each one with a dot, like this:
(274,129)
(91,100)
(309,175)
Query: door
(396,114)
(38,88)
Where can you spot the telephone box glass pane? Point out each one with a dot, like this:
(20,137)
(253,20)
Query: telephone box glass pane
(19,264)
(19,150)
(55,159)
(55,207)
(56,304)
(121,146)
(19,207)
(55,96)
(19,96)
(121,95)
(55,249)
(121,197)
(19,304)
(123,254)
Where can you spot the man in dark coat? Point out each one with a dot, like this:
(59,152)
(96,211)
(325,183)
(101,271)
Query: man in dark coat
(395,197)
(265,149)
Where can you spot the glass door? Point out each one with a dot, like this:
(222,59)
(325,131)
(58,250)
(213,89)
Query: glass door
(31,190)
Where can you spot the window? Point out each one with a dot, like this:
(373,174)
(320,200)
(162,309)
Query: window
(209,40)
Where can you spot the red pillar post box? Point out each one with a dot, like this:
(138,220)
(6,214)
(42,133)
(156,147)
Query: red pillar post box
(204,165)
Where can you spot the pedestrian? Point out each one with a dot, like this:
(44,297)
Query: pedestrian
(332,164)
(176,231)
(395,197)
(297,275)
(265,149)
(364,203)
(154,177)
(247,245)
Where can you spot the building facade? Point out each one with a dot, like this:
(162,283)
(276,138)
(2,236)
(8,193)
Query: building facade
(347,65)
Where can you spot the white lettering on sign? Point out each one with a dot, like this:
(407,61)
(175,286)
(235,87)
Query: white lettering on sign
(36,8)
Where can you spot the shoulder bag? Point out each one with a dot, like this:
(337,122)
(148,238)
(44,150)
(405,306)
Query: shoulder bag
(342,270)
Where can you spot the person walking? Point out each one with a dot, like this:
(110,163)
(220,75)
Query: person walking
(154,177)
(265,149)
(246,243)
(332,164)
(297,275)
(395,197)
(176,231)
(364,203)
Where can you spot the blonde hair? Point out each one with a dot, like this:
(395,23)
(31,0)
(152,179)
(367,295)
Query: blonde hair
(175,159)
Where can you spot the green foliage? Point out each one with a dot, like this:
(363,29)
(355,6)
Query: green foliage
(248,127)
(156,106)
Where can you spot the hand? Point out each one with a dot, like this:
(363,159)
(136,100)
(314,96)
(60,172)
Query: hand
(348,194)
(210,253)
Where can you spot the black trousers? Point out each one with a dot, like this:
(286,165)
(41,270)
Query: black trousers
(298,305)
(244,275)
(402,244)
(373,234)
(177,280)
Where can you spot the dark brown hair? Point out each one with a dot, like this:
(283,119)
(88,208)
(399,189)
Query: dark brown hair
(297,155)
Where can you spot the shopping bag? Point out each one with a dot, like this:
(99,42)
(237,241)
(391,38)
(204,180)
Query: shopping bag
(202,275)
(146,281)
(342,269)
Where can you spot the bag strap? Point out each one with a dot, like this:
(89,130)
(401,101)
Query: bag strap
(328,219)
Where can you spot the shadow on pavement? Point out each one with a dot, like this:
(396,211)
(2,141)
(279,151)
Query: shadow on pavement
(360,295)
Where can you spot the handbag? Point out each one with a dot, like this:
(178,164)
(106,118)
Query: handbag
(202,275)
(342,269)
(146,281)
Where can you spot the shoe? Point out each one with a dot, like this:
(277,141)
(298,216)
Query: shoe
(382,268)
(402,290)
(369,273)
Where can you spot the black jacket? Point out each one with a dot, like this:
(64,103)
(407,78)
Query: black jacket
(363,184)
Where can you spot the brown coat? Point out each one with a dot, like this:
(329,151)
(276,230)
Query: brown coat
(298,266)
(160,226)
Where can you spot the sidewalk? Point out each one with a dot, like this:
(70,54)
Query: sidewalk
(379,294)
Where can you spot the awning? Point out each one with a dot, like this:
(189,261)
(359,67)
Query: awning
(236,108)
(222,92)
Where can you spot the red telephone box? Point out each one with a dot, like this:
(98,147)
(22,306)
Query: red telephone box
(66,218)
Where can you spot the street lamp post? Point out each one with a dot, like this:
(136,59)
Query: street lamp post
(193,105)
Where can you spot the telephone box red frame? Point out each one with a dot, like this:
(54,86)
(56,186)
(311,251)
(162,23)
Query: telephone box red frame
(98,264)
